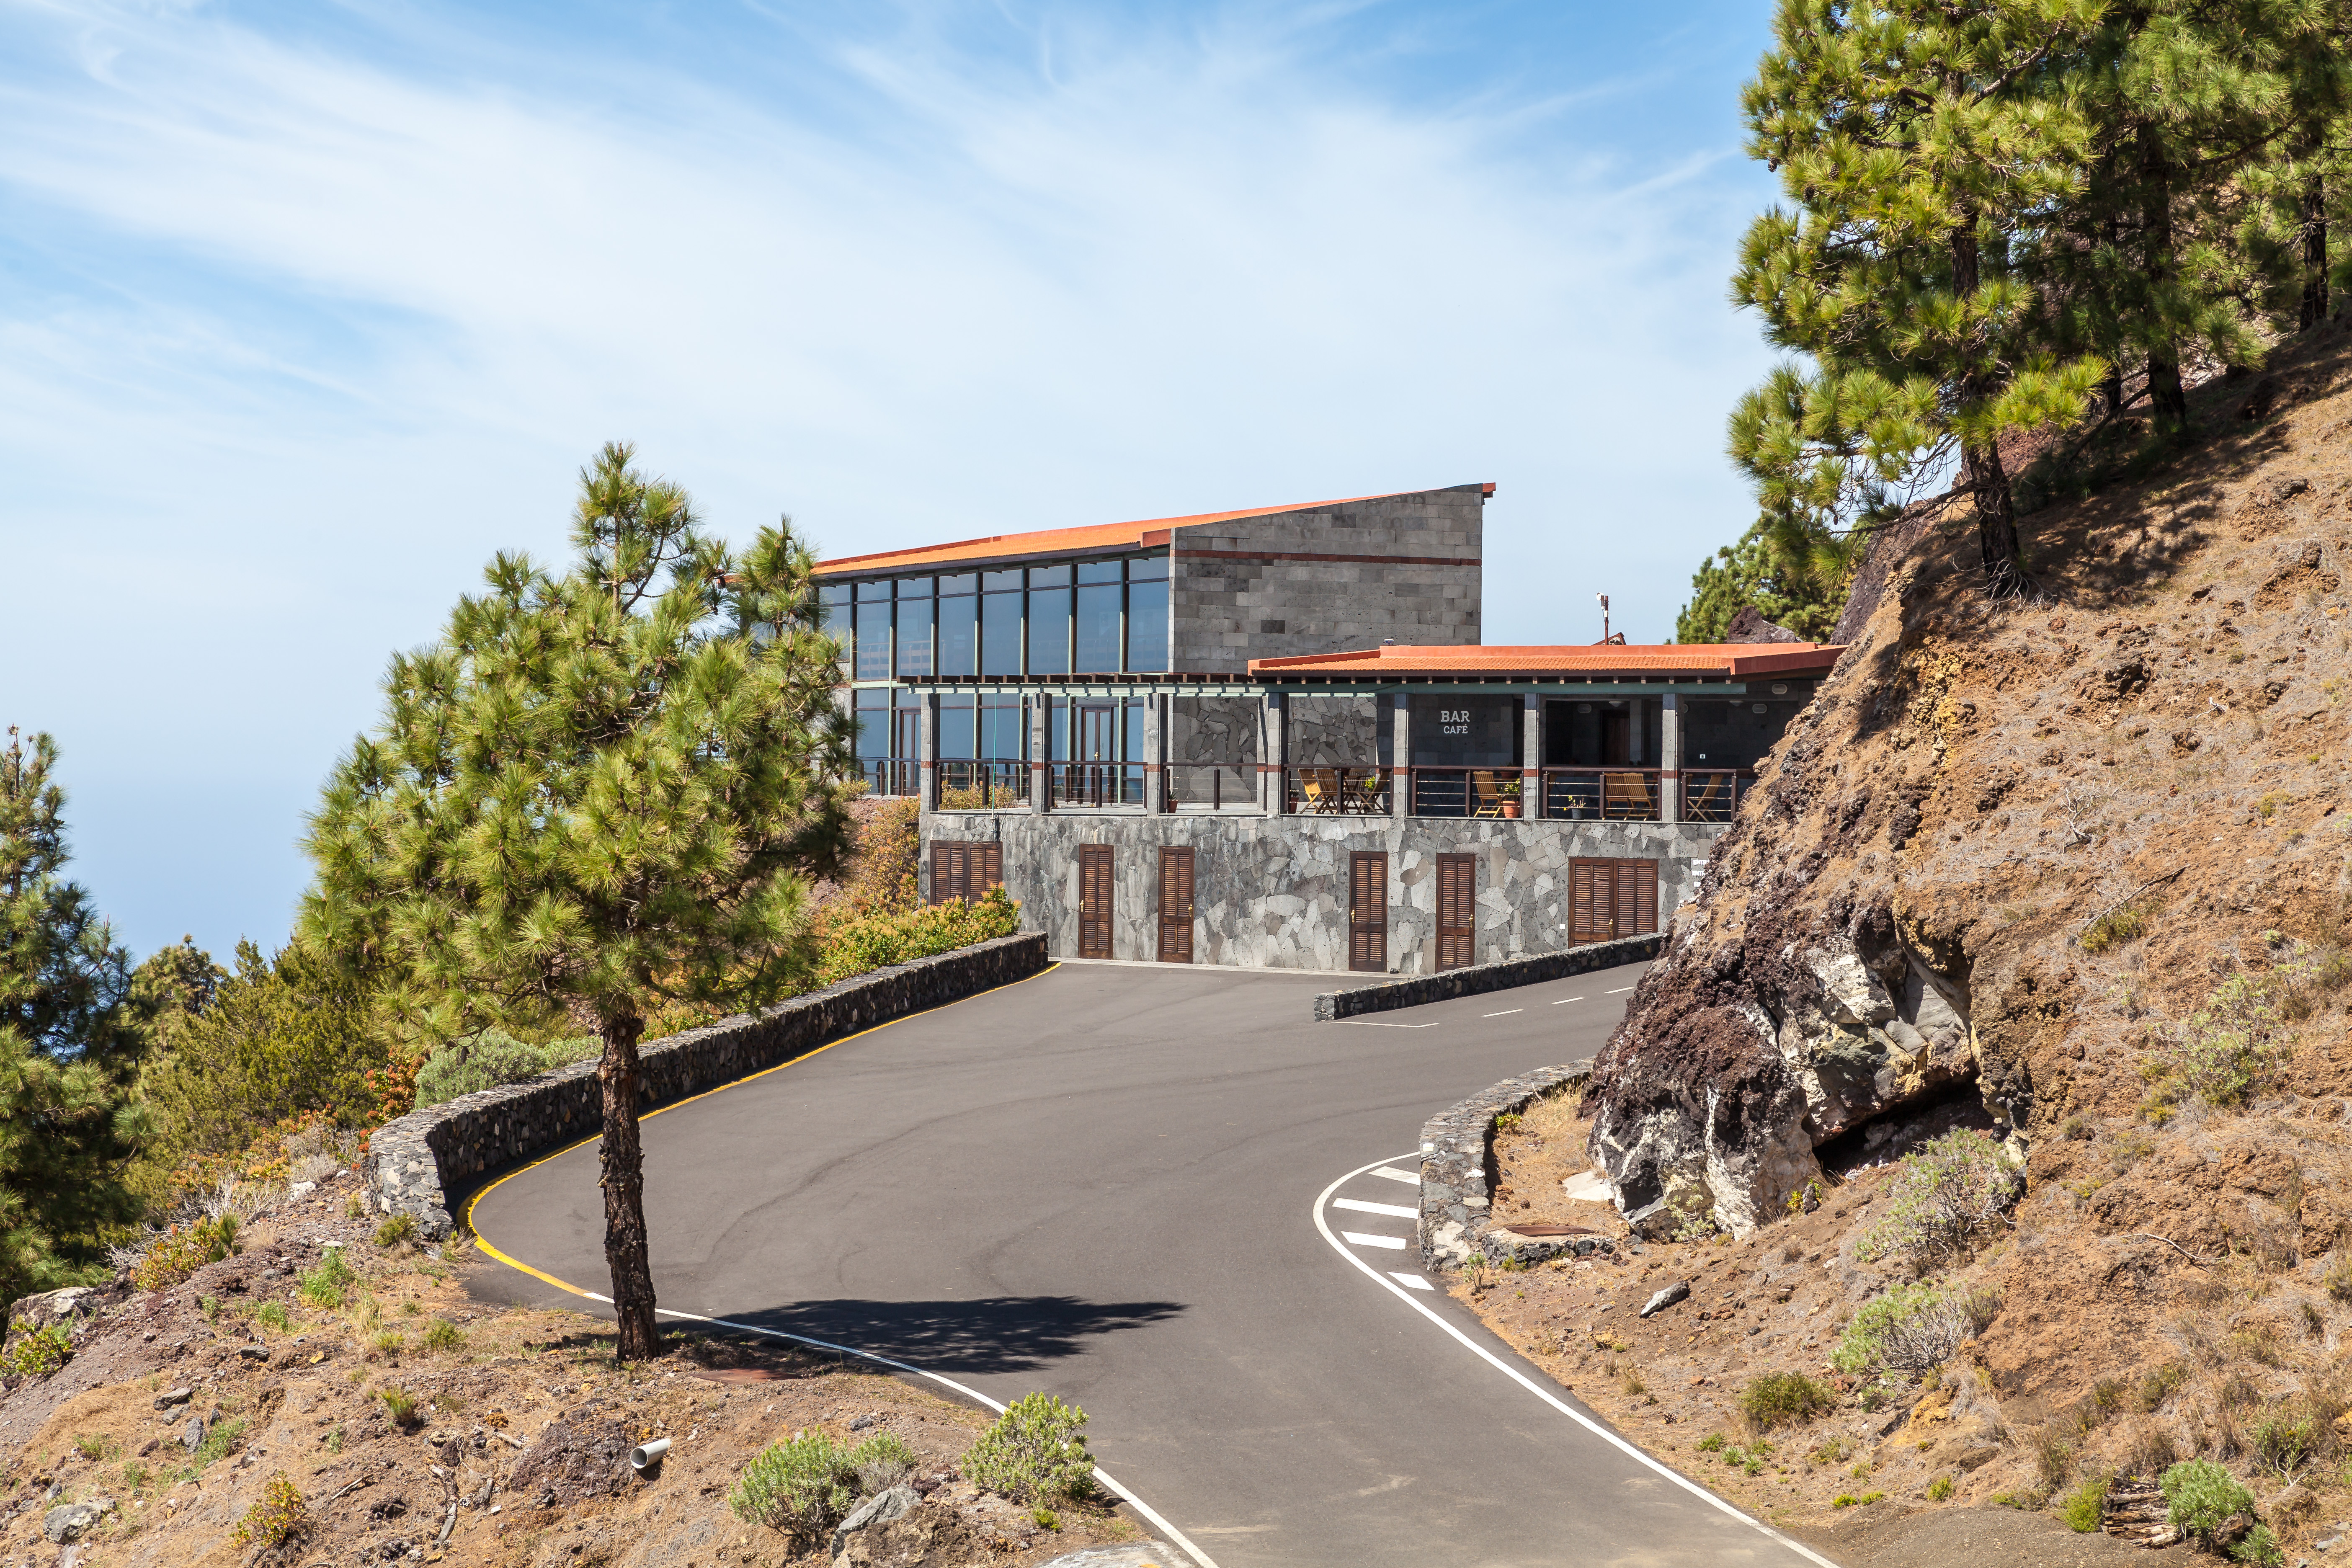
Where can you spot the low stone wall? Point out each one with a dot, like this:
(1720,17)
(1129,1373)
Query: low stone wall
(415,1164)
(1457,1164)
(1479,978)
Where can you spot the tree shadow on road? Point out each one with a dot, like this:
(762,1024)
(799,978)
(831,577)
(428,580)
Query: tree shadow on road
(998,1333)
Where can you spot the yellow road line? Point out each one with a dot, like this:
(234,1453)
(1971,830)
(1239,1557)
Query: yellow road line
(483,1242)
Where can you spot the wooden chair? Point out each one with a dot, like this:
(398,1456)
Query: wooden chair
(1626,797)
(1711,801)
(1315,792)
(1485,796)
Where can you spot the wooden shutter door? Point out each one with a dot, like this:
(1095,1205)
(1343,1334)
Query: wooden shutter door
(1175,905)
(1367,911)
(947,870)
(1457,895)
(1637,897)
(1094,900)
(983,867)
(1592,901)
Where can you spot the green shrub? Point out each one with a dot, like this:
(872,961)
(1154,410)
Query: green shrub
(1941,1490)
(400,1227)
(1783,1399)
(182,1250)
(881,1462)
(278,1518)
(400,1405)
(39,1352)
(1912,1327)
(327,1286)
(493,1057)
(2114,929)
(1034,1451)
(854,947)
(2084,1505)
(2201,1498)
(443,1335)
(2259,1546)
(1940,1197)
(272,1315)
(2228,1050)
(221,1438)
(801,1487)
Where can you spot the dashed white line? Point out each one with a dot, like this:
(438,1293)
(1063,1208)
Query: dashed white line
(1565,1000)
(1393,1174)
(1367,1024)
(1394,1243)
(1394,1211)
(1413,1281)
(1618,991)
(1504,1014)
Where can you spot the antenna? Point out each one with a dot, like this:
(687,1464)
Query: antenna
(1604,616)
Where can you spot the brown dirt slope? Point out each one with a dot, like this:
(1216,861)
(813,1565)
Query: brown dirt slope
(1890,942)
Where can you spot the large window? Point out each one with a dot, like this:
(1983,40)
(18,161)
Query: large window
(914,627)
(832,599)
(1049,620)
(959,624)
(1000,623)
(1147,614)
(1091,617)
(873,661)
(1099,615)
(1003,729)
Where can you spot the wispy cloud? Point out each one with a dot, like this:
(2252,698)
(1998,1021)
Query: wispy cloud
(302,325)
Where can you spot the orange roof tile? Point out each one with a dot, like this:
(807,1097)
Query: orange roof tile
(1066,541)
(1722,659)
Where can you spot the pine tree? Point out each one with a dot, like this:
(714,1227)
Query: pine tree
(601,789)
(1753,572)
(1920,143)
(67,1128)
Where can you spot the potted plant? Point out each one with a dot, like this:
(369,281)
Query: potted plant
(1506,791)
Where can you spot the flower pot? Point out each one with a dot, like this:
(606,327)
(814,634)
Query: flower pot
(1511,809)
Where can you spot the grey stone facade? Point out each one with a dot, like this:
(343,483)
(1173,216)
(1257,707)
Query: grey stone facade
(1330,732)
(418,1164)
(1323,579)
(1271,892)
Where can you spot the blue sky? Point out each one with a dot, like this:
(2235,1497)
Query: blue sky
(308,309)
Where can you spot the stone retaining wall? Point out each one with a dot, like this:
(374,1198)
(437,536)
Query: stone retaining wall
(415,1165)
(1479,978)
(1457,1164)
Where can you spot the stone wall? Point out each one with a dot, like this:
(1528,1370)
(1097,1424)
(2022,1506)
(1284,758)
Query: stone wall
(1480,978)
(1298,582)
(1271,892)
(418,1164)
(1457,1165)
(1323,731)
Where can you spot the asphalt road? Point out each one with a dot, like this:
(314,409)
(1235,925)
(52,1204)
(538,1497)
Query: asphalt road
(1104,1183)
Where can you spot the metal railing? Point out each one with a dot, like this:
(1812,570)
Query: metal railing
(992,784)
(1098,785)
(892,775)
(1212,786)
(1465,791)
(1601,794)
(1336,790)
(1713,795)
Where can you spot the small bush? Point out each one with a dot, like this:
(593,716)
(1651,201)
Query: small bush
(91,1447)
(221,1438)
(1034,1451)
(2086,1505)
(2156,1385)
(388,1344)
(278,1518)
(2259,1546)
(182,1250)
(39,1352)
(881,1462)
(1941,1490)
(2200,1499)
(800,1487)
(272,1315)
(395,1230)
(2114,929)
(2228,1050)
(327,1286)
(443,1335)
(493,1057)
(1941,1197)
(855,947)
(1912,1327)
(400,1405)
(1783,1399)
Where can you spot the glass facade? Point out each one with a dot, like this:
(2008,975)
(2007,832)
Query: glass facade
(1095,617)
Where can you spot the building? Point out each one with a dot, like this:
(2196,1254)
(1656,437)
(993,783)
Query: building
(1273,737)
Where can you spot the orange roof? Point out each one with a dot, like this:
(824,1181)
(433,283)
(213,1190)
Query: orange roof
(1476,661)
(1070,540)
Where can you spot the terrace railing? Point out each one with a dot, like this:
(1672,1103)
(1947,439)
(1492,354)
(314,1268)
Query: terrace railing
(993,784)
(1601,794)
(1465,791)
(1713,795)
(1353,790)
(1095,786)
(1212,787)
(892,775)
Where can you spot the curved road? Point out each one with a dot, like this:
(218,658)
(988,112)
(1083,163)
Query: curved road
(1105,1181)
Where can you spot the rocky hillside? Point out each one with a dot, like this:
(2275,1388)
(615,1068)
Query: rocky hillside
(2073,873)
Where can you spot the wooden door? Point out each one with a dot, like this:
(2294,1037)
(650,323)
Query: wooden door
(1094,900)
(1612,898)
(1175,905)
(1457,896)
(964,870)
(1616,737)
(1367,911)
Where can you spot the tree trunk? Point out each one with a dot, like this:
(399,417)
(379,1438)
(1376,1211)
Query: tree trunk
(2315,253)
(2168,400)
(625,1190)
(1980,469)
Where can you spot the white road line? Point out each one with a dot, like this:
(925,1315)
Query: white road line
(1101,1475)
(1618,991)
(1358,1239)
(1403,1284)
(1370,1025)
(1393,1174)
(1504,1014)
(1565,1000)
(1396,1211)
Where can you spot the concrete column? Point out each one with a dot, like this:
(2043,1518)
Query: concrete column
(1038,735)
(1530,756)
(1155,753)
(1670,760)
(1274,751)
(1400,754)
(927,748)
